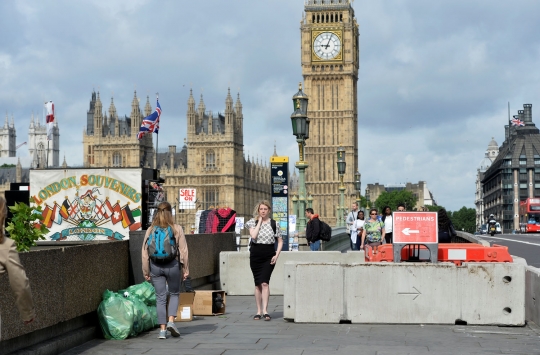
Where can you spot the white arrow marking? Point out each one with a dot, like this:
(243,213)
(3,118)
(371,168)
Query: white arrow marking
(408,231)
(416,294)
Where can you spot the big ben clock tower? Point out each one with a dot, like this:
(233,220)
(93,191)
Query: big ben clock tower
(330,63)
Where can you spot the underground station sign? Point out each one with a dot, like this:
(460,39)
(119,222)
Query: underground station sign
(415,227)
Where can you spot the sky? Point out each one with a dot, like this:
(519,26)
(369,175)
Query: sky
(434,83)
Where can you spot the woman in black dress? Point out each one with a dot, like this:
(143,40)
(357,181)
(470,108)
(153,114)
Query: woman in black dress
(263,255)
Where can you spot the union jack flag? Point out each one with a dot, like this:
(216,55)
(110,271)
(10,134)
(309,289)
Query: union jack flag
(151,123)
(517,122)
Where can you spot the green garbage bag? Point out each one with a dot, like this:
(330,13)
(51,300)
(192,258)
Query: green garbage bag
(153,312)
(145,291)
(116,315)
(143,320)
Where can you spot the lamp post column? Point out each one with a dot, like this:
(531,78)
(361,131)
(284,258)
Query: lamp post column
(300,125)
(341,165)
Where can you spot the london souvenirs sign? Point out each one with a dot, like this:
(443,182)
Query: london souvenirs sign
(88,204)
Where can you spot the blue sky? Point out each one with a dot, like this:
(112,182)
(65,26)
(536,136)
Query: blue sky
(434,83)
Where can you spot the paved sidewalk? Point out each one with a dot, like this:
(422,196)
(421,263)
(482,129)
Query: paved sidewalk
(237,333)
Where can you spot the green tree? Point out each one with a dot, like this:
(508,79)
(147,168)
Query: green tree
(464,219)
(433,208)
(394,198)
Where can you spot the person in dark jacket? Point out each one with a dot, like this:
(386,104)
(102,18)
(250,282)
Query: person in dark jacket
(313,229)
(446,228)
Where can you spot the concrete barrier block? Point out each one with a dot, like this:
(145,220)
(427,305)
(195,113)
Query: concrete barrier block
(239,277)
(319,293)
(353,257)
(493,293)
(289,290)
(532,294)
(223,270)
(401,293)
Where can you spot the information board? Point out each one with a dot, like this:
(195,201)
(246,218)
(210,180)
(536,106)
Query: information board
(279,175)
(415,227)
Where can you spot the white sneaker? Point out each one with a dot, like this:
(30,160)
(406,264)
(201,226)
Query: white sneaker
(162,334)
(171,327)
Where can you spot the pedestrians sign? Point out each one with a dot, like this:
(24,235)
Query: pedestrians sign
(415,228)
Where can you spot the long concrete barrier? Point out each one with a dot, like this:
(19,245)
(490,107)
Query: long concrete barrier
(236,277)
(475,293)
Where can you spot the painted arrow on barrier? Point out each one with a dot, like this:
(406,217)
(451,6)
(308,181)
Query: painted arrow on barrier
(416,294)
(408,231)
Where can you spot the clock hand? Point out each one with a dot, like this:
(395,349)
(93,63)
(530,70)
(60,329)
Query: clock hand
(328,43)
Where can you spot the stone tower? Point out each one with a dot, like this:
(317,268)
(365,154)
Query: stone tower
(44,153)
(111,141)
(7,139)
(330,62)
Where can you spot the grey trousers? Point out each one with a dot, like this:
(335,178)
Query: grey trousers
(171,275)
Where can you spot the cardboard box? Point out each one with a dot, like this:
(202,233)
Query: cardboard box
(185,307)
(203,305)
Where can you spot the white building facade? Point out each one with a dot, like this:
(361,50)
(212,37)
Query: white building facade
(491,153)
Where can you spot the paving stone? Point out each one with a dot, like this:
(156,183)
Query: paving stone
(238,334)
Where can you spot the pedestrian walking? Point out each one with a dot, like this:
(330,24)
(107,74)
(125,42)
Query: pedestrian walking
(388,224)
(351,219)
(373,233)
(446,227)
(401,207)
(358,229)
(263,256)
(313,229)
(165,264)
(10,263)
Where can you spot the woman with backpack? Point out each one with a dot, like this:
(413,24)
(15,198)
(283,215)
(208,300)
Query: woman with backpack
(164,258)
(263,256)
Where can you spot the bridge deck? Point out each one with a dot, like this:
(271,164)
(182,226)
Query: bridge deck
(237,333)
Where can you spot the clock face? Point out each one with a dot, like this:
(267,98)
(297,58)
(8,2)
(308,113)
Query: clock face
(327,45)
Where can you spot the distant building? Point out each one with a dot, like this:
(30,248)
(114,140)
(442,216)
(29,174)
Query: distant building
(44,153)
(515,174)
(7,139)
(491,153)
(420,191)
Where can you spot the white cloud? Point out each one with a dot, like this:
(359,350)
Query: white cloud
(434,79)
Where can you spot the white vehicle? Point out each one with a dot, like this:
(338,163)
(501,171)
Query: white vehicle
(498,229)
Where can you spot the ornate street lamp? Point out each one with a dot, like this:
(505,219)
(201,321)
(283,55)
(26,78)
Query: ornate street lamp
(300,127)
(341,165)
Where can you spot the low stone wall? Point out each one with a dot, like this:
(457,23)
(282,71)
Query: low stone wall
(67,282)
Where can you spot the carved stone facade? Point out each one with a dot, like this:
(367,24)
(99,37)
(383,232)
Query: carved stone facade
(330,62)
(212,161)
(110,141)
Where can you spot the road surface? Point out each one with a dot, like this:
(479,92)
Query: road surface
(526,246)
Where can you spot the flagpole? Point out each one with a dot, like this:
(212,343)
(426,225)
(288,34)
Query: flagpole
(157,135)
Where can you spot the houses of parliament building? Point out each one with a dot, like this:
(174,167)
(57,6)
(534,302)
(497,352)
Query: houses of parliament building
(211,160)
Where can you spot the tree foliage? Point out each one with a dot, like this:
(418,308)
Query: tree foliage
(394,198)
(464,219)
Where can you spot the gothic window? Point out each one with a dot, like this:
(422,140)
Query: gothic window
(117,159)
(210,159)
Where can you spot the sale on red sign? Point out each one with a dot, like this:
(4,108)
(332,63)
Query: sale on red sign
(415,227)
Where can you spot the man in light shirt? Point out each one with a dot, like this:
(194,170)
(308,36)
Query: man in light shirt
(351,218)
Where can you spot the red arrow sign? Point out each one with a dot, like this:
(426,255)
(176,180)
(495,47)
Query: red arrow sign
(415,227)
